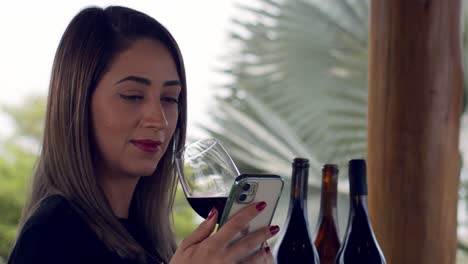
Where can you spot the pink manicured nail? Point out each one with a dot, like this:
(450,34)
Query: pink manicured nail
(211,214)
(260,206)
(274,229)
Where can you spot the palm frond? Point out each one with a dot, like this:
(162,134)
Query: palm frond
(299,85)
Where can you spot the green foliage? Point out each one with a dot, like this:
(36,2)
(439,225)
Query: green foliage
(299,85)
(16,166)
(28,118)
(184,216)
(17,159)
(15,172)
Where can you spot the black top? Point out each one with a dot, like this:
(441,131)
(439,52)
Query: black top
(57,234)
(357,177)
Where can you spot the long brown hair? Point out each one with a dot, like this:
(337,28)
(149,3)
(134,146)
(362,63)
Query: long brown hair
(65,166)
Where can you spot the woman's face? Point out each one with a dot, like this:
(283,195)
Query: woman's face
(135,109)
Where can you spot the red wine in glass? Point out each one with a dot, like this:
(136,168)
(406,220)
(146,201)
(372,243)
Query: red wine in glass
(203,205)
(206,173)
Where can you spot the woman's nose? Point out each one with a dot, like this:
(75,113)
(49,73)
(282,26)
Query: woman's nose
(154,116)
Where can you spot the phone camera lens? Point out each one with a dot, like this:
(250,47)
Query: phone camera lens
(246,187)
(242,197)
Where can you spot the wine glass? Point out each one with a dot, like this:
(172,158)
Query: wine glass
(206,172)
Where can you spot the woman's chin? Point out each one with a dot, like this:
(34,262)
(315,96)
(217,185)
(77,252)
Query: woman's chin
(146,173)
(140,167)
(143,172)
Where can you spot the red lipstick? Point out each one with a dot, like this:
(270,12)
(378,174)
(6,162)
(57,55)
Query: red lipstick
(147,145)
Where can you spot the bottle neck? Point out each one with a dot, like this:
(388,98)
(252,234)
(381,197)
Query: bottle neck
(358,187)
(328,200)
(299,184)
(359,222)
(358,208)
(359,201)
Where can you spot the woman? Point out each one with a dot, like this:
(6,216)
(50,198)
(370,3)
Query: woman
(104,187)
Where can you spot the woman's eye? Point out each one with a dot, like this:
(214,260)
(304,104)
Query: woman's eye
(171,100)
(131,97)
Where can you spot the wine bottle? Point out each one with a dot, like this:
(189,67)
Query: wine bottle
(359,244)
(294,244)
(327,238)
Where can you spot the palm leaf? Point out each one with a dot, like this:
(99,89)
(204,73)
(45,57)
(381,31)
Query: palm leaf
(299,85)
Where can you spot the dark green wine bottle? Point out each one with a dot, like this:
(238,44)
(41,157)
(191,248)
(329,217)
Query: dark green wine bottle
(295,244)
(359,245)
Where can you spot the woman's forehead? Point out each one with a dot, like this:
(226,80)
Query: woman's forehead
(150,59)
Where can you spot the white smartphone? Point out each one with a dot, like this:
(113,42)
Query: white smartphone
(253,188)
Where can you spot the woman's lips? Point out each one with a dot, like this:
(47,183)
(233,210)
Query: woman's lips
(147,145)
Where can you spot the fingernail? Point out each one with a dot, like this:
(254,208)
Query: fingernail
(260,206)
(211,214)
(274,229)
(267,250)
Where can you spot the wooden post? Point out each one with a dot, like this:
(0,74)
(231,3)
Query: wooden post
(415,103)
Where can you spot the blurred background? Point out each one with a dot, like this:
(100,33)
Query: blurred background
(271,79)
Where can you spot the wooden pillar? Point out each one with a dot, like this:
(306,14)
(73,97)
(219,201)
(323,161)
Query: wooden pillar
(415,103)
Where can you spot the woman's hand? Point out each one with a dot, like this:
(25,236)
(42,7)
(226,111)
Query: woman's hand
(200,247)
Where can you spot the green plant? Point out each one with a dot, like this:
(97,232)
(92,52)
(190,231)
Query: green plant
(299,85)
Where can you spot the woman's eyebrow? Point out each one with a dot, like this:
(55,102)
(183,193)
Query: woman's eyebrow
(137,79)
(146,81)
(172,83)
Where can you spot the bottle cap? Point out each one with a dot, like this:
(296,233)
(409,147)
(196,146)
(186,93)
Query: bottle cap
(357,177)
(301,163)
(332,167)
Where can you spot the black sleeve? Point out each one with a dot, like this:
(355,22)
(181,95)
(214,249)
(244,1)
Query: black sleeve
(37,245)
(55,234)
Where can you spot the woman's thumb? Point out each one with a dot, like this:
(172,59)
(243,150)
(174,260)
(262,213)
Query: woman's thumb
(203,231)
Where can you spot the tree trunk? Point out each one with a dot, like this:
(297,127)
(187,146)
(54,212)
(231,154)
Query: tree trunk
(415,104)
